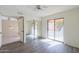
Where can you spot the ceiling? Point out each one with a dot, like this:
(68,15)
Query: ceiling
(30,11)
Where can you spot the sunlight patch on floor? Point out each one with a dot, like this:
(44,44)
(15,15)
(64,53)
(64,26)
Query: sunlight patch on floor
(50,42)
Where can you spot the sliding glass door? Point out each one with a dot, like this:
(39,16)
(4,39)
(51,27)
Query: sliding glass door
(51,31)
(59,26)
(55,29)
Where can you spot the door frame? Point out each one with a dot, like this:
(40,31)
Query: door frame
(23,25)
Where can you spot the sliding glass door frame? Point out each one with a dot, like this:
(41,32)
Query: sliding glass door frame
(54,28)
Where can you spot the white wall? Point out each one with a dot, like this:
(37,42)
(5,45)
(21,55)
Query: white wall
(71,26)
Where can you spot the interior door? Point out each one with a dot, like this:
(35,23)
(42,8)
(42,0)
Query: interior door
(21,28)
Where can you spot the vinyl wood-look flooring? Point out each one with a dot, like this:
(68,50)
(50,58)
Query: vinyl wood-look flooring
(38,46)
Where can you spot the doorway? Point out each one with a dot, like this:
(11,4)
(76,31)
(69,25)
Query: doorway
(21,28)
(55,29)
(34,29)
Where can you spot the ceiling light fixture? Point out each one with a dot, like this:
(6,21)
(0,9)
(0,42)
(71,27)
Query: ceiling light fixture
(40,7)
